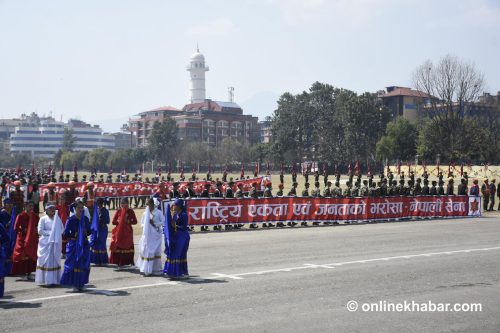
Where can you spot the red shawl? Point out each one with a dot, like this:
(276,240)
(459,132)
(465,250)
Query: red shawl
(123,234)
(26,245)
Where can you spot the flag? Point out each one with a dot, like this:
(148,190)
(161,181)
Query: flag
(438,167)
(12,231)
(349,169)
(82,235)
(424,164)
(168,231)
(399,167)
(242,174)
(462,169)
(94,227)
(62,171)
(209,167)
(388,169)
(356,168)
(18,170)
(336,168)
(256,171)
(182,170)
(268,171)
(169,168)
(369,169)
(159,171)
(75,169)
(281,169)
(409,168)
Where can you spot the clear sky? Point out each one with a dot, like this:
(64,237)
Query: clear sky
(103,61)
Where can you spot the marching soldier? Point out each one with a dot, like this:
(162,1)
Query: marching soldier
(418,188)
(293,190)
(239,191)
(383,188)
(493,192)
(305,192)
(440,188)
(425,188)
(280,190)
(316,193)
(365,191)
(337,191)
(347,190)
(462,187)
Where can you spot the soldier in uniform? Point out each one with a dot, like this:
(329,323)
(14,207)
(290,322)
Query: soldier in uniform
(327,193)
(347,190)
(280,190)
(418,188)
(462,187)
(268,194)
(355,190)
(189,192)
(239,191)
(305,193)
(316,193)
(229,190)
(450,187)
(383,188)
(433,189)
(253,194)
(440,189)
(485,191)
(493,192)
(425,188)
(365,191)
(205,193)
(218,190)
(337,191)
(293,190)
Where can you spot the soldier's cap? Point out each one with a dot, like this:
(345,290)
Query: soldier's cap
(419,180)
(295,184)
(365,181)
(329,182)
(306,184)
(316,184)
(434,182)
(219,183)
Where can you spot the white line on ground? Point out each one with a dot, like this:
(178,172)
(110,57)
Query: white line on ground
(238,276)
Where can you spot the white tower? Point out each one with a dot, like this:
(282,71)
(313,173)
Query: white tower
(197,69)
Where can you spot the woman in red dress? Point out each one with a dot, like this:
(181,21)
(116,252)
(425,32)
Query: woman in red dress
(122,239)
(24,255)
(63,212)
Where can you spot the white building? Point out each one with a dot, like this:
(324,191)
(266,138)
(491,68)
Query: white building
(45,138)
(197,69)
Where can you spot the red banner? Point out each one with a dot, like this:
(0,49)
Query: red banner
(300,209)
(140,188)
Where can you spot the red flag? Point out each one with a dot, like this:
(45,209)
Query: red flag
(282,169)
(424,164)
(336,168)
(256,171)
(349,169)
(242,174)
(462,169)
(293,167)
(268,171)
(182,170)
(159,171)
(369,169)
(169,168)
(438,168)
(388,169)
(62,170)
(409,168)
(399,167)
(356,168)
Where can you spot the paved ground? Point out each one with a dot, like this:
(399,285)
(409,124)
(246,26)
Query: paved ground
(288,280)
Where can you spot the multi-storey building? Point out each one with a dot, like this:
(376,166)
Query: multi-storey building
(405,102)
(46,136)
(203,120)
(265,130)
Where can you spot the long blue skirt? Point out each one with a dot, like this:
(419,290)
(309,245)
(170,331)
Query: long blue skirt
(98,249)
(2,276)
(76,273)
(176,262)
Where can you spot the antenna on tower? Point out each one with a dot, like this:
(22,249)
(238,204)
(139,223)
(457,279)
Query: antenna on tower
(197,47)
(230,91)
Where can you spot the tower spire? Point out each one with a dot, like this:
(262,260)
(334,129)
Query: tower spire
(197,47)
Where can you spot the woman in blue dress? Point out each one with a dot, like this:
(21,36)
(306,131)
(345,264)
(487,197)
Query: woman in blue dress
(99,235)
(77,265)
(176,241)
(4,239)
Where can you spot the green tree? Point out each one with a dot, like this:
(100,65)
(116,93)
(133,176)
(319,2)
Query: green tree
(399,141)
(96,158)
(68,139)
(163,140)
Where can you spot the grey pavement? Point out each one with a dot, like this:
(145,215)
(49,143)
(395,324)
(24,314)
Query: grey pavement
(288,280)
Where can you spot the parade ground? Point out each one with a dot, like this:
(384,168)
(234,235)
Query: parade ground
(303,279)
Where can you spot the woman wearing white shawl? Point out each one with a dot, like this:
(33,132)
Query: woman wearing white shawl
(48,266)
(149,260)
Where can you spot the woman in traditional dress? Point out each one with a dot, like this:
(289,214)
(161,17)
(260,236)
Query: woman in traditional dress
(24,255)
(176,241)
(4,239)
(48,266)
(149,260)
(99,235)
(122,239)
(63,212)
(77,265)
